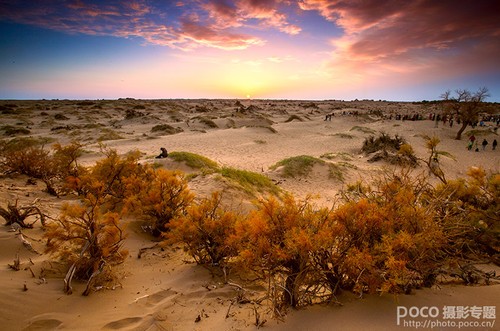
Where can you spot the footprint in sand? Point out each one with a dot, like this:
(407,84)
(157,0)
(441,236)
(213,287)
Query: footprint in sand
(155,298)
(46,324)
(123,323)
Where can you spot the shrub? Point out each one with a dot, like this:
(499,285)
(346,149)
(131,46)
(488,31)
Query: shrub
(294,117)
(249,181)
(26,156)
(204,229)
(208,122)
(474,204)
(108,134)
(394,150)
(159,196)
(362,129)
(88,240)
(106,180)
(275,242)
(29,157)
(382,142)
(195,161)
(297,165)
(17,215)
(165,128)
(14,131)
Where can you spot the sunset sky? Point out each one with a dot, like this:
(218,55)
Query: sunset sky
(265,49)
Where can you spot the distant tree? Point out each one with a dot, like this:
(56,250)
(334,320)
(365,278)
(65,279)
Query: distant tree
(465,105)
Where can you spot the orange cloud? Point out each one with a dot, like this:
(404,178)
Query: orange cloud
(425,38)
(191,29)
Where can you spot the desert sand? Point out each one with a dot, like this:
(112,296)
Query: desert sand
(165,289)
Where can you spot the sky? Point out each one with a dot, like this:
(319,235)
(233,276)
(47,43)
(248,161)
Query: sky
(395,50)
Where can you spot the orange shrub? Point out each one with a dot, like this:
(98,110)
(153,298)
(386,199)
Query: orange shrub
(205,229)
(88,240)
(158,196)
(275,241)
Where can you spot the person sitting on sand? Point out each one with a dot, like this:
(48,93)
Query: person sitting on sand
(495,143)
(163,154)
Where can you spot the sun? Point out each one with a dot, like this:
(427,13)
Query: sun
(248,96)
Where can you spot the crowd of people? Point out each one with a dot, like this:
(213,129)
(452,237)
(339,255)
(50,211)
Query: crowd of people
(473,144)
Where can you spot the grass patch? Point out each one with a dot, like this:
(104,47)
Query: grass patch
(208,122)
(336,170)
(249,181)
(270,128)
(479,132)
(363,129)
(165,129)
(297,166)
(108,134)
(195,161)
(294,117)
(260,142)
(10,130)
(342,155)
(343,135)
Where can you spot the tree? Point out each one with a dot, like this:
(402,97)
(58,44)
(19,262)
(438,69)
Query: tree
(466,106)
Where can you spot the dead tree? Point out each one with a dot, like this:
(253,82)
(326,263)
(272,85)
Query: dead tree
(465,106)
(15,214)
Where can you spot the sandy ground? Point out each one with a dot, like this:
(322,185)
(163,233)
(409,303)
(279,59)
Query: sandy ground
(165,290)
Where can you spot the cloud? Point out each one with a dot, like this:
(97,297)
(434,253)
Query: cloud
(267,11)
(421,36)
(230,14)
(182,24)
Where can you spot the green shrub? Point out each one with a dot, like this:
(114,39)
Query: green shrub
(249,181)
(297,165)
(195,161)
(363,129)
(166,129)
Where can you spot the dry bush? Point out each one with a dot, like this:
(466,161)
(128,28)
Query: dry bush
(205,229)
(87,236)
(26,156)
(89,240)
(15,214)
(30,157)
(275,242)
(384,238)
(394,150)
(468,210)
(432,162)
(106,179)
(165,129)
(158,196)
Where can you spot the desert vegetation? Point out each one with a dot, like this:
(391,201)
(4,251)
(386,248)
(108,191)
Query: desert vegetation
(405,226)
(376,239)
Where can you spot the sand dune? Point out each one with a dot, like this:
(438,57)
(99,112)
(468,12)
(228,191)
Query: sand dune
(165,289)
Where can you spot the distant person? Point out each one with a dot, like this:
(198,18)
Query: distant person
(484,143)
(495,143)
(469,145)
(472,138)
(163,154)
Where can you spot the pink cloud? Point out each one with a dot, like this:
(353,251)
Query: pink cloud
(378,29)
(139,19)
(204,35)
(425,38)
(231,14)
